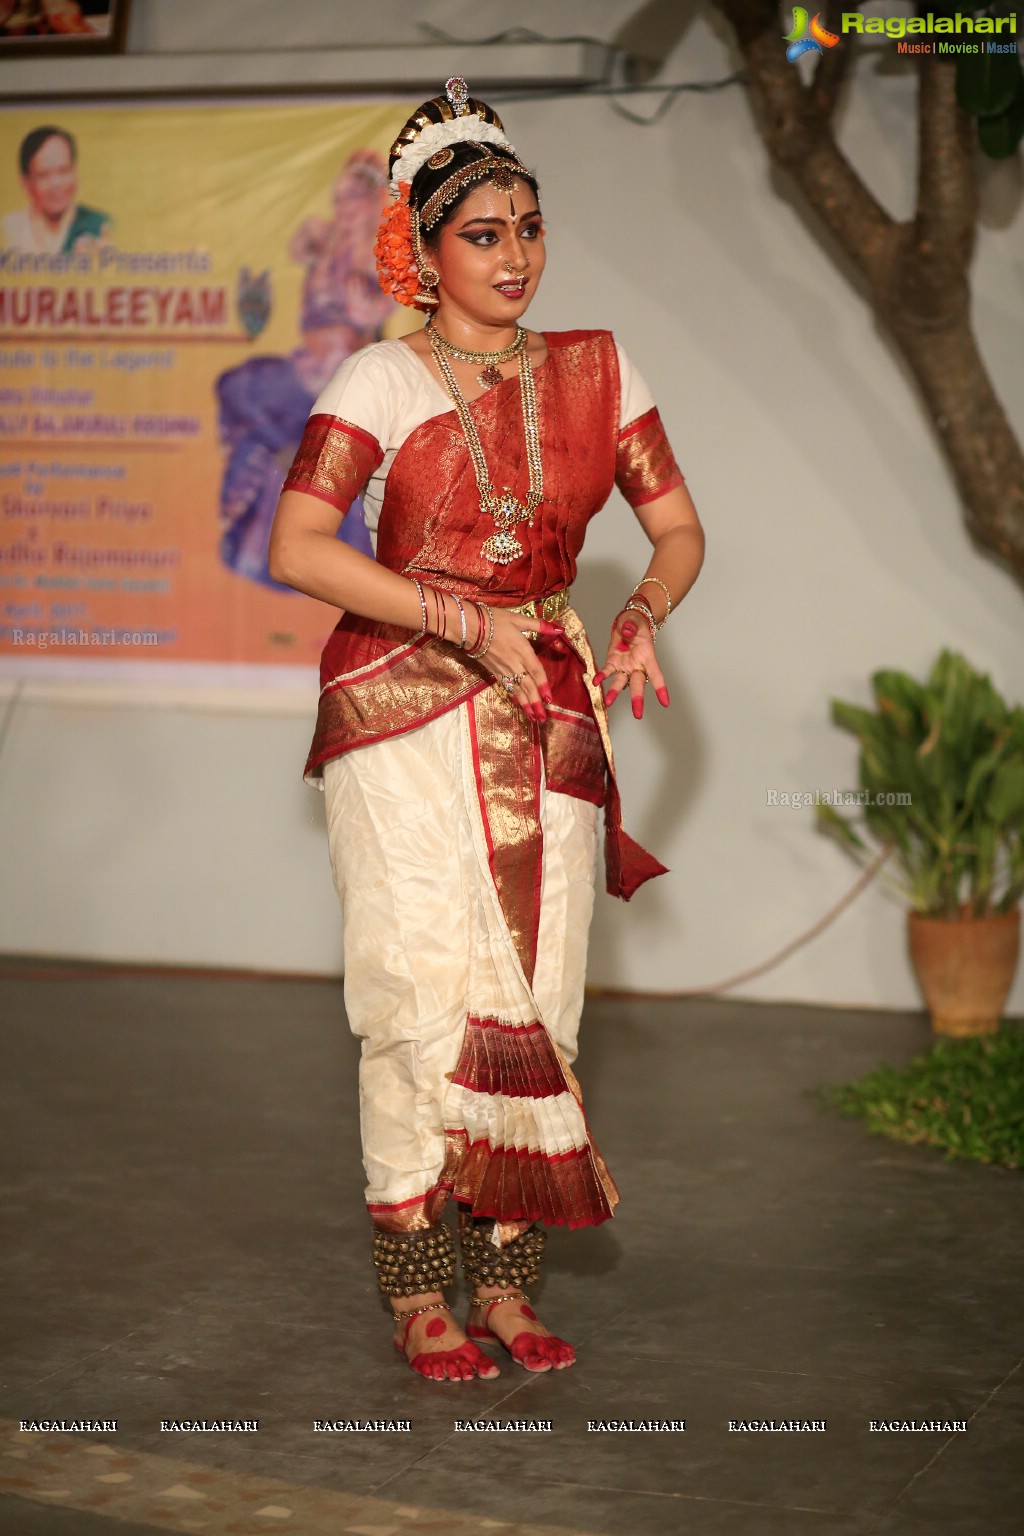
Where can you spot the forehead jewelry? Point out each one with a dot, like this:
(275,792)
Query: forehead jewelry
(502,547)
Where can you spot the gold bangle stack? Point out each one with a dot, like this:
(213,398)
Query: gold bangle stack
(668,597)
(641,605)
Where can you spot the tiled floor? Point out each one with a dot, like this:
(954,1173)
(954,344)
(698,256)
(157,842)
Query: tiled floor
(184,1237)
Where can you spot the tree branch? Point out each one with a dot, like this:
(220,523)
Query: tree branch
(947,199)
(917,271)
(798,135)
(833,68)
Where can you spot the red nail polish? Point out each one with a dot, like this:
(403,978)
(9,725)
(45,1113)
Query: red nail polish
(547,696)
(662,695)
(599,677)
(638,709)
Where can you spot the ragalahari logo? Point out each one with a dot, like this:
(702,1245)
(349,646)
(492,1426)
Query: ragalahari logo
(800,43)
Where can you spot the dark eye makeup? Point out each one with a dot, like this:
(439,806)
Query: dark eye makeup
(483,237)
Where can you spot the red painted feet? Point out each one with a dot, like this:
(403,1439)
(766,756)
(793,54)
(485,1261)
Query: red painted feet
(532,1350)
(459,1364)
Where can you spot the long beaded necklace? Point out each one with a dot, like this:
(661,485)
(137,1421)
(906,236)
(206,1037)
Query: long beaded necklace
(491,374)
(507,510)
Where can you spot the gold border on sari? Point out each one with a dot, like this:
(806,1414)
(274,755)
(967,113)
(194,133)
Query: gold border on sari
(333,461)
(645,466)
(506,761)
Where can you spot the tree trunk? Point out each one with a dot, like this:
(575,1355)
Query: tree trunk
(916,272)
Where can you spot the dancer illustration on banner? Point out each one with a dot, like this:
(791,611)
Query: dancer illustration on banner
(264,402)
(54,222)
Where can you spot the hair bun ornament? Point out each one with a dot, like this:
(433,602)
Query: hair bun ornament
(438,124)
(457,91)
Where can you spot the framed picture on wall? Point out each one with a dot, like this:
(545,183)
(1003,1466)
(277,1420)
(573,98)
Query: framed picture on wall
(52,27)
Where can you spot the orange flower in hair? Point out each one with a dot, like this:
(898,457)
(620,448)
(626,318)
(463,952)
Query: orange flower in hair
(397,272)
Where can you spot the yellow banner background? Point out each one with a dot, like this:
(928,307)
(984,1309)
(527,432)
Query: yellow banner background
(121,468)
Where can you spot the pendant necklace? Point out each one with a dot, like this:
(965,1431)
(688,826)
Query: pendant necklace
(491,374)
(507,510)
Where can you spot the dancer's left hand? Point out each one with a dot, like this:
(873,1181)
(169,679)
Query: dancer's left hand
(631,660)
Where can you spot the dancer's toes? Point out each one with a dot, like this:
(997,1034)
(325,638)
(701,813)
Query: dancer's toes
(561,1356)
(448,1355)
(541,1353)
(557,1350)
(533,1346)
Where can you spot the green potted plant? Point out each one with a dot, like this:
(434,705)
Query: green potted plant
(941,776)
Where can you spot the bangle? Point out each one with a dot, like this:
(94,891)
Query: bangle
(423,606)
(664,588)
(484,611)
(481,628)
(648,613)
(462,616)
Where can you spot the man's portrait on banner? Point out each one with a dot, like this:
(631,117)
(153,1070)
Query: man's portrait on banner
(53,221)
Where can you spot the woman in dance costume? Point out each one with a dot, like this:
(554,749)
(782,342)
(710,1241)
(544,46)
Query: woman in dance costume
(462,739)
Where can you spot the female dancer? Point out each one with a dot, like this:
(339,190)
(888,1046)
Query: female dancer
(462,739)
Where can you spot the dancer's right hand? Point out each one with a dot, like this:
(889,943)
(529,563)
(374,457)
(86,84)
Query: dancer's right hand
(511,654)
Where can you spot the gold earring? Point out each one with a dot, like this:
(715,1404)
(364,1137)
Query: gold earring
(427,275)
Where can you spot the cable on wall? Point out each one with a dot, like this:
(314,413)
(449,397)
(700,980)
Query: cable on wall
(801,939)
(610,88)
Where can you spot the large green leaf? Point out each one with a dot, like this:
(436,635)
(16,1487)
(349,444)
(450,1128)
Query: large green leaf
(1005,802)
(852,717)
(901,699)
(829,821)
(987,83)
(1000,136)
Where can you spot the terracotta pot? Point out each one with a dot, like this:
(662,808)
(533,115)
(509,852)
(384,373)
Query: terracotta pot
(966,967)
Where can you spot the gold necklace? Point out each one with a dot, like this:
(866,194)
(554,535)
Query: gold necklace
(491,374)
(502,547)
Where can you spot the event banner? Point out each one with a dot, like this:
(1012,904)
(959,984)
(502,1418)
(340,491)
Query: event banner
(177,285)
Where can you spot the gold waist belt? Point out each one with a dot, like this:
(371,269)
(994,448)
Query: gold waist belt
(545,607)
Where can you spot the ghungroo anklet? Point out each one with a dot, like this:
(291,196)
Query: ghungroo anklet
(516,1263)
(409,1263)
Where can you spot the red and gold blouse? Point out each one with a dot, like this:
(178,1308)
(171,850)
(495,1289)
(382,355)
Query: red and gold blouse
(385,428)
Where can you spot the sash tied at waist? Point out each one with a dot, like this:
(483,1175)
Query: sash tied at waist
(381,680)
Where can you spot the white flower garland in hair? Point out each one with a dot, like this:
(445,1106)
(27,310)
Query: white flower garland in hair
(436,135)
